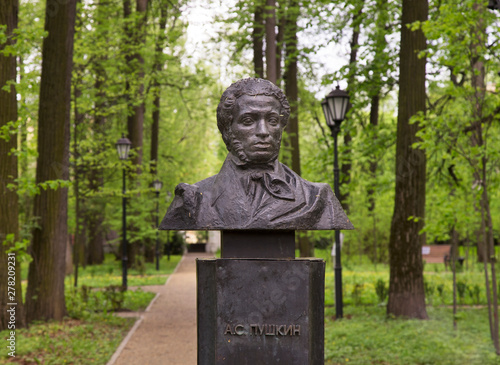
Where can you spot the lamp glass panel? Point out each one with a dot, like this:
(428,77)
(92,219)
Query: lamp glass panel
(123,150)
(157,185)
(326,112)
(338,106)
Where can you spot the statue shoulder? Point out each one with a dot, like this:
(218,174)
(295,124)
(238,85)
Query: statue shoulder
(184,210)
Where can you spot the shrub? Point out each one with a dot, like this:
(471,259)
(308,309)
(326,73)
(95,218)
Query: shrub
(461,287)
(382,290)
(357,292)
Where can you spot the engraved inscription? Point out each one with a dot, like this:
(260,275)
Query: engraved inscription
(263,330)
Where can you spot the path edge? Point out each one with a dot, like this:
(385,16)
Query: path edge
(136,325)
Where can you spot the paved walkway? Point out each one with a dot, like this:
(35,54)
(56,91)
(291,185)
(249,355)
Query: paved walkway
(166,332)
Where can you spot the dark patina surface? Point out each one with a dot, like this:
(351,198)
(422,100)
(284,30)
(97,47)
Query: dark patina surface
(253,190)
(260,311)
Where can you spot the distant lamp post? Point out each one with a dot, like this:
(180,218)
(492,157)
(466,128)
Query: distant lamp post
(494,4)
(335,108)
(157,185)
(123,147)
(167,198)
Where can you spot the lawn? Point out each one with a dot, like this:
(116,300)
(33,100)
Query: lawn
(366,336)
(91,333)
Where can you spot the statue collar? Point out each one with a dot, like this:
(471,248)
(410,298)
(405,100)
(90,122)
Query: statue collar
(234,171)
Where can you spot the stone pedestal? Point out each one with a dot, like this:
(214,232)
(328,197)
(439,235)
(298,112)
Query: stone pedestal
(260,311)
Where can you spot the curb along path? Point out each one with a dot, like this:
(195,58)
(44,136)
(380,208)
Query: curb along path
(166,332)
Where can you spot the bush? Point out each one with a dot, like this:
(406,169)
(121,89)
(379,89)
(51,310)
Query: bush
(382,290)
(461,287)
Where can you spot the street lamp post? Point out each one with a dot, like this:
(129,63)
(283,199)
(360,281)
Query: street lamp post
(123,148)
(335,107)
(168,197)
(157,185)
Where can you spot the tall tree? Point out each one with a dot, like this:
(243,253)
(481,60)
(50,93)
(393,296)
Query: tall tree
(10,275)
(45,293)
(346,166)
(406,287)
(271,41)
(477,136)
(257,39)
(157,67)
(136,36)
(135,30)
(291,85)
(291,140)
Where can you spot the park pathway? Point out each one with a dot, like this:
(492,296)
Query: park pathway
(166,332)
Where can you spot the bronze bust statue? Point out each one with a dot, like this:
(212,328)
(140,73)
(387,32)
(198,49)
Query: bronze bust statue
(253,190)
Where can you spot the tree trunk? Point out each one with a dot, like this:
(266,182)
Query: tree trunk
(346,164)
(257,39)
(135,122)
(95,216)
(26,200)
(485,208)
(281,20)
(374,108)
(406,289)
(80,235)
(96,238)
(485,244)
(291,86)
(10,274)
(270,14)
(306,246)
(155,127)
(45,294)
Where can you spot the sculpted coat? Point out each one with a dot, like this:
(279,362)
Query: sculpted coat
(242,198)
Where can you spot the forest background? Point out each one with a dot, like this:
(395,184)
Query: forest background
(118,67)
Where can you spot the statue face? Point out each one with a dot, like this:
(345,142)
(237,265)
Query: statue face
(256,125)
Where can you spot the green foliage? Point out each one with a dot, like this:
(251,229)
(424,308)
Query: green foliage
(357,291)
(474,292)
(82,302)
(382,290)
(110,273)
(19,247)
(429,289)
(366,284)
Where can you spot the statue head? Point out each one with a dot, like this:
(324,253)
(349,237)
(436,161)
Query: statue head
(251,116)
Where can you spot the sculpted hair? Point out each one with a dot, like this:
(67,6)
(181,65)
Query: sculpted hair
(252,87)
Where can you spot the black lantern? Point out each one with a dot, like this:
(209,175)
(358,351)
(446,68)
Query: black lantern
(335,108)
(157,185)
(123,147)
(494,4)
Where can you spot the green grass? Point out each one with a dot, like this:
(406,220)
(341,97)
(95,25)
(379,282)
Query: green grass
(89,341)
(360,276)
(366,336)
(110,273)
(90,334)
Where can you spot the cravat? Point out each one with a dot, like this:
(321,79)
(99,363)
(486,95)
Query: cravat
(274,185)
